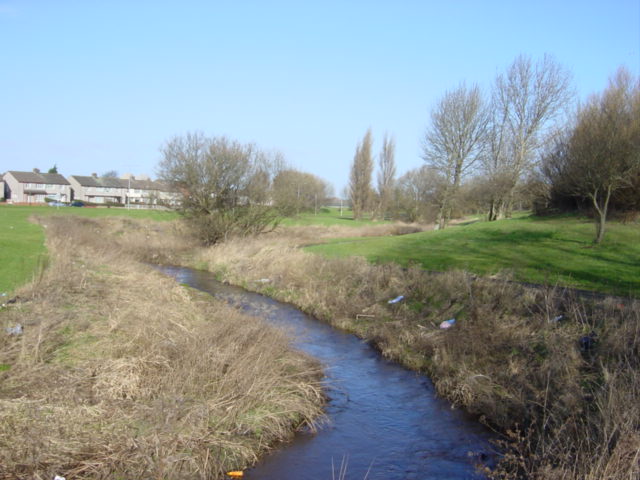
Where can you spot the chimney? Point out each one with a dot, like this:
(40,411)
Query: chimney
(36,170)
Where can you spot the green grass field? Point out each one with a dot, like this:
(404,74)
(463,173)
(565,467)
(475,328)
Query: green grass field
(554,250)
(22,242)
(328,216)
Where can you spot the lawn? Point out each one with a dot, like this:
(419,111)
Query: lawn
(22,242)
(328,216)
(555,250)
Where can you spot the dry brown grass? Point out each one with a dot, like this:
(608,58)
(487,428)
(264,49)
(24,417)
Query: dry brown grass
(563,412)
(312,234)
(121,373)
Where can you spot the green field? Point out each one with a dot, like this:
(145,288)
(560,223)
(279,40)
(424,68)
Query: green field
(556,250)
(538,250)
(328,216)
(22,242)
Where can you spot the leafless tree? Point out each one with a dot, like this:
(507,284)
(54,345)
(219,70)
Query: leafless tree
(295,192)
(526,100)
(386,174)
(217,179)
(360,189)
(601,155)
(417,194)
(455,141)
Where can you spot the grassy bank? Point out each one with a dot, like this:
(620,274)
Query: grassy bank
(538,250)
(329,217)
(121,373)
(515,356)
(22,242)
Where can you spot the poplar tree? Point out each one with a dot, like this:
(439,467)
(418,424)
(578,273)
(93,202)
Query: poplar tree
(386,174)
(360,179)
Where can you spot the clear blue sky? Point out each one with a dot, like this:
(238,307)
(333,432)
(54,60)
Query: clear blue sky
(98,86)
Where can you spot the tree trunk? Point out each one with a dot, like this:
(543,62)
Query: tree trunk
(602,214)
(496,210)
(492,211)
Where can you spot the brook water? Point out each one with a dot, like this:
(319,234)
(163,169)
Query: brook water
(383,421)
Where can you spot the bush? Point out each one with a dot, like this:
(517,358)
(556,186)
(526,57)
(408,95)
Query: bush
(240,222)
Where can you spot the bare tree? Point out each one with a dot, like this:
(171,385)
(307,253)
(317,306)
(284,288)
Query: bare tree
(295,192)
(386,174)
(526,100)
(360,189)
(601,155)
(264,169)
(214,177)
(417,194)
(455,141)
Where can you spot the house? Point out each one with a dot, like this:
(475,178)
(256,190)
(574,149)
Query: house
(144,191)
(35,187)
(100,190)
(140,192)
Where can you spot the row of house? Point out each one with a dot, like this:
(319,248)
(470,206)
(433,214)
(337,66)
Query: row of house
(38,188)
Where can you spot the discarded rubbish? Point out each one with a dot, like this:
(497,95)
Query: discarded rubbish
(363,315)
(264,280)
(58,477)
(557,319)
(399,298)
(17,330)
(236,474)
(3,294)
(447,323)
(588,342)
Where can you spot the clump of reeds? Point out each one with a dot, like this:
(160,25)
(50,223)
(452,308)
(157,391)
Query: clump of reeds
(121,373)
(516,357)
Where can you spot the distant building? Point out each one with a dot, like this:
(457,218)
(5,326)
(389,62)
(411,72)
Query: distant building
(100,190)
(35,187)
(140,192)
(38,188)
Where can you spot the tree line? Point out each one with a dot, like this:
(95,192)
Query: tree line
(523,144)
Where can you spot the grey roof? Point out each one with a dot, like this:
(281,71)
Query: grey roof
(32,177)
(113,182)
(92,181)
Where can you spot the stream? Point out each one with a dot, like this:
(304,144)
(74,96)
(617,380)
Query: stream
(383,421)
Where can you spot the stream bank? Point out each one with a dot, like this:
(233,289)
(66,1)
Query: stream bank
(382,421)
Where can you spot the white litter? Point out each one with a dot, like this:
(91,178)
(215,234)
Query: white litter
(17,330)
(58,477)
(397,299)
(264,280)
(448,323)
